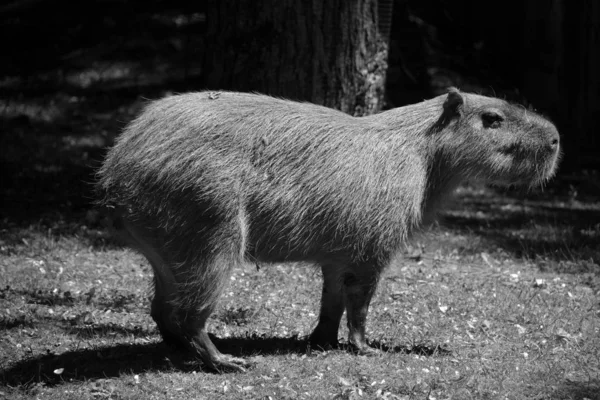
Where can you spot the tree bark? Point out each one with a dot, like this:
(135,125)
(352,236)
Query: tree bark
(328,52)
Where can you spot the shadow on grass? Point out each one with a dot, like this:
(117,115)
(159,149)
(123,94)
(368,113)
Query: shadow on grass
(558,232)
(589,390)
(264,345)
(107,330)
(70,87)
(21,321)
(567,235)
(113,361)
(82,365)
(428,350)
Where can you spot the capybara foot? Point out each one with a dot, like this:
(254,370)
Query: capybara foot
(227,363)
(364,349)
(317,342)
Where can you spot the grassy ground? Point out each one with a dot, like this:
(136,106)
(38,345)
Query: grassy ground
(500,302)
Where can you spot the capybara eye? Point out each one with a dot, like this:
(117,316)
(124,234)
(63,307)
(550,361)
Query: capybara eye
(491,119)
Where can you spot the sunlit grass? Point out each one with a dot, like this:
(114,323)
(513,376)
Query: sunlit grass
(464,313)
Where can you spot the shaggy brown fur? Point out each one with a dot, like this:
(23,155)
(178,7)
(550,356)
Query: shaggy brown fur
(203,181)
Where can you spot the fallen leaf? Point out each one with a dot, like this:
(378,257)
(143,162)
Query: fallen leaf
(562,334)
(539,283)
(344,381)
(488,259)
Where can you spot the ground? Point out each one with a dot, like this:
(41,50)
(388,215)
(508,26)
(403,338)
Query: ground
(499,301)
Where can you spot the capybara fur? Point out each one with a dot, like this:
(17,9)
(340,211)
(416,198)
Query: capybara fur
(202,182)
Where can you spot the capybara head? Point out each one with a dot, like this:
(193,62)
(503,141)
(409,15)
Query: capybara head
(505,144)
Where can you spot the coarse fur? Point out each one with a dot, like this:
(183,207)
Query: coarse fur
(203,181)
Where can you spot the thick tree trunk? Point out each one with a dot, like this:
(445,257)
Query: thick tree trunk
(328,52)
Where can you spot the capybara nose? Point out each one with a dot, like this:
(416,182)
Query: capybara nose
(549,137)
(554,142)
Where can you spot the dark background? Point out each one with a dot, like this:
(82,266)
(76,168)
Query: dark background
(74,73)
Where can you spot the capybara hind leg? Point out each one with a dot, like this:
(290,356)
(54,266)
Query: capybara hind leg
(162,313)
(325,334)
(359,287)
(198,297)
(207,352)
(164,282)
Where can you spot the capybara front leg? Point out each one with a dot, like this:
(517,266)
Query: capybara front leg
(325,334)
(359,288)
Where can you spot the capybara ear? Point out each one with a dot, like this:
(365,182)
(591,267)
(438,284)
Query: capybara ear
(454,102)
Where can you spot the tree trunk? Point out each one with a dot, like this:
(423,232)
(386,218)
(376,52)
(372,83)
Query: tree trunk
(329,52)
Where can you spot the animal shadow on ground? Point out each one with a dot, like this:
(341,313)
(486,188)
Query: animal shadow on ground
(111,361)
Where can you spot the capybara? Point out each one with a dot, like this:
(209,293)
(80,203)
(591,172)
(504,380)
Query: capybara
(201,182)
